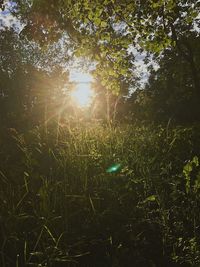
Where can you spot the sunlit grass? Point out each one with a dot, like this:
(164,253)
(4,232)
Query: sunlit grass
(100,176)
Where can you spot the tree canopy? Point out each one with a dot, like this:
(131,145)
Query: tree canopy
(111,34)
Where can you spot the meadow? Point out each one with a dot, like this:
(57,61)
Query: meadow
(94,195)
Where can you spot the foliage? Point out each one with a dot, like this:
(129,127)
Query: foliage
(170,93)
(29,94)
(76,192)
(110,33)
(61,207)
(105,31)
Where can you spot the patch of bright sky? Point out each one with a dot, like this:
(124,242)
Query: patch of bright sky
(79,76)
(141,68)
(7,20)
(82,94)
(196,23)
(80,71)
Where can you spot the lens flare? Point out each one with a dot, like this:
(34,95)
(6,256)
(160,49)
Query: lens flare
(114,168)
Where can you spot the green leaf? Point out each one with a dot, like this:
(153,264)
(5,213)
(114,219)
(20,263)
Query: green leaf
(195,160)
(97,21)
(150,198)
(103,24)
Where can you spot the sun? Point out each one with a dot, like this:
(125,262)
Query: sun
(82,95)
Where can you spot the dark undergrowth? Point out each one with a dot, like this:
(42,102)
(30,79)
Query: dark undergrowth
(62,204)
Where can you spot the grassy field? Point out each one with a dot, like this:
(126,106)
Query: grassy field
(93,195)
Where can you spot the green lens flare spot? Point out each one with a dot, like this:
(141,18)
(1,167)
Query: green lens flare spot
(113,168)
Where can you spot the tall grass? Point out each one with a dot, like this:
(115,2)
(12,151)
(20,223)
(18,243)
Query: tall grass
(61,207)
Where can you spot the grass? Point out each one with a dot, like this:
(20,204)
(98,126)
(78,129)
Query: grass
(61,207)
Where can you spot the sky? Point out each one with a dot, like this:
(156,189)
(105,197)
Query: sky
(81,77)
(7,19)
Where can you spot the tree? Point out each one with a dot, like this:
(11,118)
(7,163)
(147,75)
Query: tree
(105,30)
(31,82)
(170,92)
